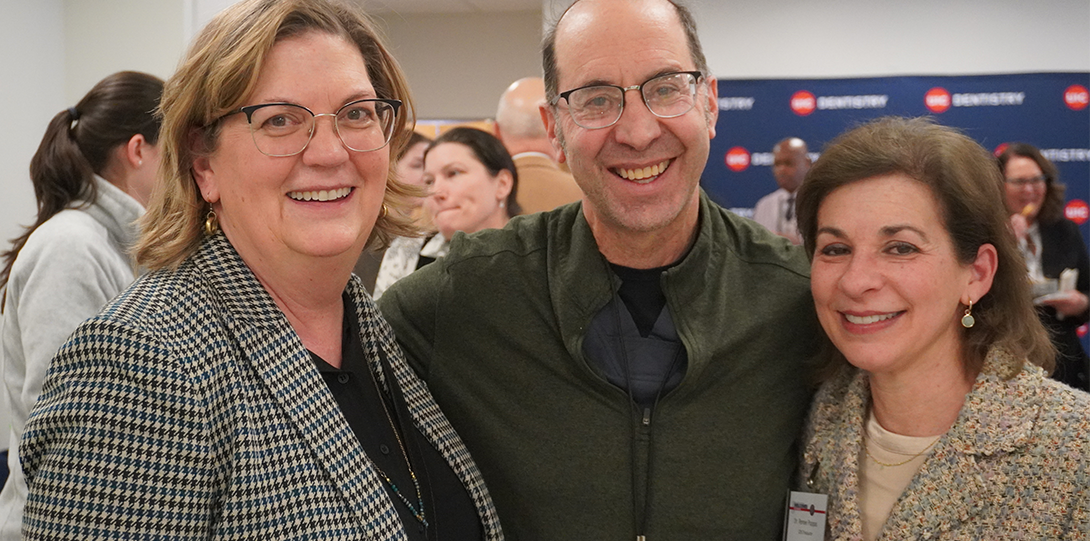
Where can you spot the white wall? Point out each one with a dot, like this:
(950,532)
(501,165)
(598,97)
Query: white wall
(32,86)
(458,65)
(107,36)
(863,38)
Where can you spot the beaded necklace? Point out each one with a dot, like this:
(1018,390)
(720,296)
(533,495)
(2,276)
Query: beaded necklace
(418,510)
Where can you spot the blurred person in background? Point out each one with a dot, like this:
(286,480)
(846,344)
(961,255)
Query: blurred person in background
(410,170)
(543,185)
(93,175)
(1050,243)
(776,211)
(247,387)
(472,184)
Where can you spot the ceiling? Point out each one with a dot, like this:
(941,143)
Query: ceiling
(449,6)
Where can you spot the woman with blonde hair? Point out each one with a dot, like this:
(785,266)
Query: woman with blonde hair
(936,418)
(247,387)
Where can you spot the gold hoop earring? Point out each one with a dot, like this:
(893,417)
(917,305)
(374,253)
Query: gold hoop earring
(211,223)
(385,211)
(968,320)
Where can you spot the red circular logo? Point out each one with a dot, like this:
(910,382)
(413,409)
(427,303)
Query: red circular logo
(737,159)
(999,149)
(1077,97)
(803,103)
(1077,211)
(1081,330)
(937,100)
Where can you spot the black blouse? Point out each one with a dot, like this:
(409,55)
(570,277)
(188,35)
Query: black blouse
(448,508)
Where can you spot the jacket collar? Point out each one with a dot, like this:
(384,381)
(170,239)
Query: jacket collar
(997,418)
(581,282)
(117,211)
(999,414)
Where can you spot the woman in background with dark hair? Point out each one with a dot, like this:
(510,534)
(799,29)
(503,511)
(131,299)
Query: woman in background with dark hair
(93,174)
(472,184)
(1050,244)
(410,171)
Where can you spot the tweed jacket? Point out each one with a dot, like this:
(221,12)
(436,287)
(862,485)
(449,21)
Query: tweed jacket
(1015,464)
(189,409)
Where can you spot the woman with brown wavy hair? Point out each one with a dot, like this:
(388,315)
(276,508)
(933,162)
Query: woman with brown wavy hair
(936,417)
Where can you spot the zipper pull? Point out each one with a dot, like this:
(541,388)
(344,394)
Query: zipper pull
(646,422)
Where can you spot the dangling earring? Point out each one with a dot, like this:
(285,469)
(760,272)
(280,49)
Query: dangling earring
(503,204)
(211,223)
(968,320)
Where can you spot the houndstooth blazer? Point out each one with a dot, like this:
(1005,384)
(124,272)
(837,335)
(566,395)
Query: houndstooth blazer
(1015,465)
(189,409)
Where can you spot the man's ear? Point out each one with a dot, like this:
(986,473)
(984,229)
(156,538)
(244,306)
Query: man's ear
(548,116)
(712,111)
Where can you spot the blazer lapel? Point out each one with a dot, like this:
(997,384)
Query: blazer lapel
(282,364)
(944,494)
(836,456)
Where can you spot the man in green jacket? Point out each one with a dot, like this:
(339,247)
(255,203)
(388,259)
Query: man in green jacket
(633,366)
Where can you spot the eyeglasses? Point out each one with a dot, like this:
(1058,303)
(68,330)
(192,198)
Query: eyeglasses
(600,106)
(1023,182)
(285,129)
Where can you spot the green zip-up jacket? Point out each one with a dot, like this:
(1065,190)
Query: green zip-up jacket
(496,329)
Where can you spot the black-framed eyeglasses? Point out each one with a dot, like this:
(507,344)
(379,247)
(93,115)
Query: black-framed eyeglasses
(1023,182)
(600,106)
(285,129)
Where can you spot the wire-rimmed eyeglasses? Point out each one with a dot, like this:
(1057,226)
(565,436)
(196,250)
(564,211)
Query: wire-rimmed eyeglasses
(285,129)
(600,106)
(1023,182)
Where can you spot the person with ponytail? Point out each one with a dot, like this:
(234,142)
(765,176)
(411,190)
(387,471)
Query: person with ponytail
(93,174)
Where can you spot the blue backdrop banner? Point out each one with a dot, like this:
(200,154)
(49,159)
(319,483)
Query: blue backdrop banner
(1048,110)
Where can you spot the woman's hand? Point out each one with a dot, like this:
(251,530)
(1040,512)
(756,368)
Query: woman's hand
(1019,224)
(1069,303)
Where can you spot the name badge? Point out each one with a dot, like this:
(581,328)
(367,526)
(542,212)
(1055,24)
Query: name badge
(805,516)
